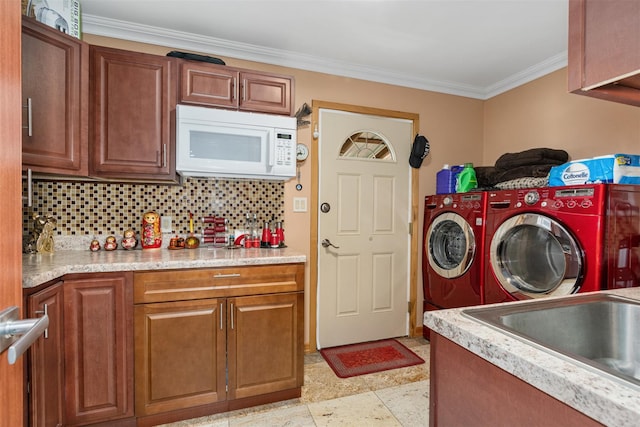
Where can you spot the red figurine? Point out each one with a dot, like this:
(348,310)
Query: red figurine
(151,235)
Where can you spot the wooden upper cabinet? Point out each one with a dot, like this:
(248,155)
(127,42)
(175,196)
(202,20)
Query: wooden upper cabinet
(55,82)
(219,86)
(132,115)
(267,93)
(209,85)
(604,49)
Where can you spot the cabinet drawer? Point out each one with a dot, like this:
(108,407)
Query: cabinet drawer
(178,285)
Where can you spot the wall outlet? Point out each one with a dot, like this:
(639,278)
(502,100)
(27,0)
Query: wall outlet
(165,224)
(299,204)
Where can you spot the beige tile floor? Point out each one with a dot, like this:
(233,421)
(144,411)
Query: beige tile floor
(399,397)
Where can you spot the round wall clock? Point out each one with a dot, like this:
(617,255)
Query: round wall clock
(302,152)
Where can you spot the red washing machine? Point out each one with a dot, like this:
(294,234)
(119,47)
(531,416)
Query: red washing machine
(545,241)
(622,236)
(453,250)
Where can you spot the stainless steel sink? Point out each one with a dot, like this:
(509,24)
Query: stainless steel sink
(601,330)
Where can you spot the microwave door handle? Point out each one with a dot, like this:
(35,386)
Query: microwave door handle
(272,149)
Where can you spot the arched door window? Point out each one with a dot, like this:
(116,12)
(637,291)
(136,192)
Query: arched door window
(367,145)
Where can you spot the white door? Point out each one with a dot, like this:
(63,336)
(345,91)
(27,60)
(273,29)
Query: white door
(363,227)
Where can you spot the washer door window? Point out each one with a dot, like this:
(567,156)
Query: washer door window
(535,255)
(451,245)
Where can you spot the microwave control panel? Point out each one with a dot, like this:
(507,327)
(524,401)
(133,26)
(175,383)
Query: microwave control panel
(285,151)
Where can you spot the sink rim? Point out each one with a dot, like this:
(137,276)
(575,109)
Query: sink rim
(494,312)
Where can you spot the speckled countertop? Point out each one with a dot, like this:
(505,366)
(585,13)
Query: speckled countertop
(41,268)
(610,401)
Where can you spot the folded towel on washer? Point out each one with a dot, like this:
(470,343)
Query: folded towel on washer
(485,176)
(532,157)
(529,171)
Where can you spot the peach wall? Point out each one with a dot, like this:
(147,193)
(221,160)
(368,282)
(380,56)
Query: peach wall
(543,114)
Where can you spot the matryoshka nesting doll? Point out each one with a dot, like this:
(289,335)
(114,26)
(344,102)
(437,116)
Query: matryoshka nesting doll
(151,235)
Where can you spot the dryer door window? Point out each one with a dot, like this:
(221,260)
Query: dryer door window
(535,255)
(450,245)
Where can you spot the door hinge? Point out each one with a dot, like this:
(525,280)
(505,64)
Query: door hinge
(409,306)
(411,229)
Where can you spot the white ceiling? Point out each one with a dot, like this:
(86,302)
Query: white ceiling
(472,48)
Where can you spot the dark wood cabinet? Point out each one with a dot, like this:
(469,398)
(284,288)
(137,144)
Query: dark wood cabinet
(55,81)
(266,93)
(98,347)
(46,361)
(81,371)
(211,340)
(264,344)
(180,355)
(604,50)
(212,85)
(132,115)
(465,388)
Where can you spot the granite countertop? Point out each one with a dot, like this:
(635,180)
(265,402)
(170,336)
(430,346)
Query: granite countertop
(41,268)
(608,400)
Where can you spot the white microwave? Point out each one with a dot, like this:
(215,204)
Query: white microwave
(234,144)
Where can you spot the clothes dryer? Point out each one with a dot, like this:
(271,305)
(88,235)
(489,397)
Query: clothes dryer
(545,241)
(622,236)
(453,250)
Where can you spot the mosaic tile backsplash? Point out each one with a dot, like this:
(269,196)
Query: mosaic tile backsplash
(100,209)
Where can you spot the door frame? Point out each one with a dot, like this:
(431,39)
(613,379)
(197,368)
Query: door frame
(414,328)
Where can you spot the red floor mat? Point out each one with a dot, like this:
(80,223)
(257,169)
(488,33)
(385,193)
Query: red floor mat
(366,358)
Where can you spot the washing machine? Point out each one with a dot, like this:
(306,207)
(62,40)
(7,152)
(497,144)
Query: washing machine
(622,236)
(545,242)
(453,250)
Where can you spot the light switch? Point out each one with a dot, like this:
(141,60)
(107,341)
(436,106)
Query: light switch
(299,204)
(165,224)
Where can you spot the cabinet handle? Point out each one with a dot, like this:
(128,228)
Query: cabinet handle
(29,196)
(235,88)
(244,89)
(46,313)
(30,329)
(164,155)
(29,117)
(222,276)
(221,320)
(231,315)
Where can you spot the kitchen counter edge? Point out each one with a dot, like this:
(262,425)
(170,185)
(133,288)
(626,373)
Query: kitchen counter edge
(42,268)
(598,395)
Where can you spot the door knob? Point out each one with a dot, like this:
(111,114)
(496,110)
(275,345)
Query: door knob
(326,243)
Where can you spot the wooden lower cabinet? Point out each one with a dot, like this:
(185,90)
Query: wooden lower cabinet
(180,355)
(466,390)
(264,344)
(98,322)
(81,372)
(211,352)
(46,367)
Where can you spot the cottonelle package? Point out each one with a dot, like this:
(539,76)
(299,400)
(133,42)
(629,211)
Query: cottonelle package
(613,168)
(63,15)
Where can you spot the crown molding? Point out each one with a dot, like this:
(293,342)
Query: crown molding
(220,48)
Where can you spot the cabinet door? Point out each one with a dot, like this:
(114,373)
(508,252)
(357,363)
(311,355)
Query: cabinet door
(180,355)
(266,93)
(133,115)
(604,49)
(98,340)
(208,85)
(46,368)
(265,344)
(55,81)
